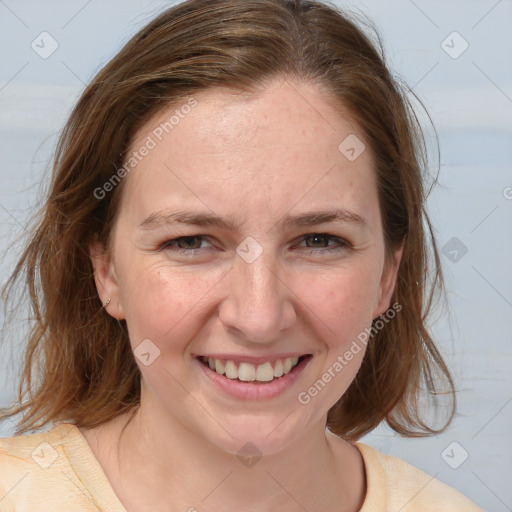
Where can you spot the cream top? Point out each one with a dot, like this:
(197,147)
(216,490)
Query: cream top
(57,471)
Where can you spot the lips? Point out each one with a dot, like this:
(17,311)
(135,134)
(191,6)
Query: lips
(246,371)
(255,389)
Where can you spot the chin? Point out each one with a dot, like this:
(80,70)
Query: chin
(257,434)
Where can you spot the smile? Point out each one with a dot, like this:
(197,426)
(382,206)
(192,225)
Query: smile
(252,378)
(248,372)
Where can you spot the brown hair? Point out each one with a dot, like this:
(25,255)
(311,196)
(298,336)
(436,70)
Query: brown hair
(80,354)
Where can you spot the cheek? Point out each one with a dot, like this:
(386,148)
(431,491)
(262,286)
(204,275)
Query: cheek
(342,302)
(161,302)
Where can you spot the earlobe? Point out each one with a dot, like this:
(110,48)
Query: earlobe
(106,280)
(388,282)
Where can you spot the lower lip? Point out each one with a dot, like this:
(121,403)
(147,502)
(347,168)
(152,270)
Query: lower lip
(254,390)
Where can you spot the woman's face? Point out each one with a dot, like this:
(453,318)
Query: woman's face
(261,277)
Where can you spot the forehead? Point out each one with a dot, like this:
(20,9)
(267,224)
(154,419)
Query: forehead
(274,149)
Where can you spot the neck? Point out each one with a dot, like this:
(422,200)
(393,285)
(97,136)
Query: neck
(158,457)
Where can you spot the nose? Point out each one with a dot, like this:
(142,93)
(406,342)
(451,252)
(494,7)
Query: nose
(258,306)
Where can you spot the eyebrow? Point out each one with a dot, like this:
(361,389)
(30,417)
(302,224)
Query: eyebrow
(162,218)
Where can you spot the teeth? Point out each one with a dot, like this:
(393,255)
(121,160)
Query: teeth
(231,370)
(287,365)
(248,372)
(265,372)
(219,367)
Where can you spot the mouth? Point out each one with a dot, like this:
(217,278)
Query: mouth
(263,373)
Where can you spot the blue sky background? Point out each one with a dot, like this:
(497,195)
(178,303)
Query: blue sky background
(470,100)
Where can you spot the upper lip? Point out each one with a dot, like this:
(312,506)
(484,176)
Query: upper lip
(252,359)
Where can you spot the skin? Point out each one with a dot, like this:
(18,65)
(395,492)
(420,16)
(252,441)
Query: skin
(256,159)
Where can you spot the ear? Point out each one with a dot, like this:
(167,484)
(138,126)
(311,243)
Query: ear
(106,279)
(387,282)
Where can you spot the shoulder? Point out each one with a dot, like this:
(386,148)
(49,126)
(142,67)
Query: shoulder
(33,464)
(404,487)
(41,449)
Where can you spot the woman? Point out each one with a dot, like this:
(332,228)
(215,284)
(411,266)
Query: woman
(231,259)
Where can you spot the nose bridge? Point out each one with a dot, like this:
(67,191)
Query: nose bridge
(259,278)
(258,302)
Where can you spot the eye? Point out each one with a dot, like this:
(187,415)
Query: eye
(321,238)
(186,244)
(191,244)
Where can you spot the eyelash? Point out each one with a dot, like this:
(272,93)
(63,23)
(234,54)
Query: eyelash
(343,245)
